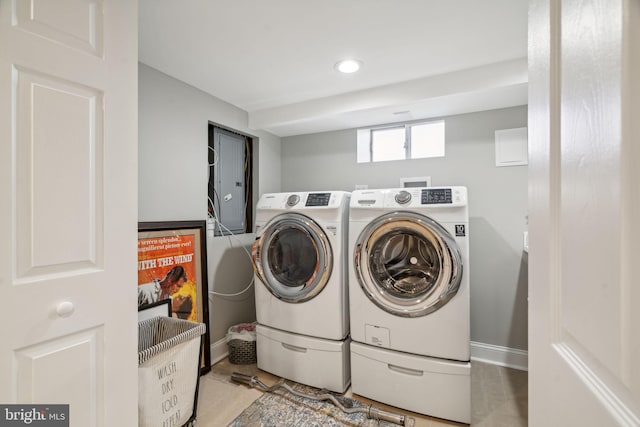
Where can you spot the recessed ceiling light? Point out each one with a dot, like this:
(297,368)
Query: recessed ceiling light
(348,66)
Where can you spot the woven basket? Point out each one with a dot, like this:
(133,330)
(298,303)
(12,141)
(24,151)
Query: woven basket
(242,352)
(241,340)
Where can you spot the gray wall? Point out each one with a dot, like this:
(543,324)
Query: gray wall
(497,206)
(173,123)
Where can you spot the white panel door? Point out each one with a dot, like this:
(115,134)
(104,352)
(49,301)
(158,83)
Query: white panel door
(584,201)
(68,217)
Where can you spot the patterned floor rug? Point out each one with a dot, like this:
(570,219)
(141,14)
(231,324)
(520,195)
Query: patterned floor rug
(283,409)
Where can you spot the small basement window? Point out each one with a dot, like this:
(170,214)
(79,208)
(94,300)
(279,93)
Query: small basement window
(401,142)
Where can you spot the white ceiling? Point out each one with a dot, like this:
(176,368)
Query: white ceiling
(275,59)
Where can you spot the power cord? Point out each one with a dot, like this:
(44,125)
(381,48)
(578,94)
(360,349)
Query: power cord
(230,234)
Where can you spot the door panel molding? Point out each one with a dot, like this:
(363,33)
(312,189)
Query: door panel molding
(600,385)
(44,369)
(583,333)
(58,176)
(79,27)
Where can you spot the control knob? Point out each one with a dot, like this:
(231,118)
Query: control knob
(403,197)
(293,200)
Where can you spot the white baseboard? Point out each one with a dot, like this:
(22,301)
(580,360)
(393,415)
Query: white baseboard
(501,356)
(219,351)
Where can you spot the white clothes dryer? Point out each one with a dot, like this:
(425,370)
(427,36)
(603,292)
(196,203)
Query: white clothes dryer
(409,299)
(301,293)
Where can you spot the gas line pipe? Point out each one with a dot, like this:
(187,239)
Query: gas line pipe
(370,411)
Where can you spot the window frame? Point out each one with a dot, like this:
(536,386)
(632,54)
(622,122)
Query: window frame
(407,139)
(405,143)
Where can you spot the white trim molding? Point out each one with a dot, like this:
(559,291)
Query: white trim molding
(219,351)
(501,356)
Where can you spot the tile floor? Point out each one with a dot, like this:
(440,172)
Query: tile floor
(498,397)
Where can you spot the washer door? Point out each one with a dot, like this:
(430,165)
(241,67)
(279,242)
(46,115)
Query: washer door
(293,258)
(407,264)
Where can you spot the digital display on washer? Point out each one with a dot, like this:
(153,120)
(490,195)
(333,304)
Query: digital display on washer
(318,199)
(436,196)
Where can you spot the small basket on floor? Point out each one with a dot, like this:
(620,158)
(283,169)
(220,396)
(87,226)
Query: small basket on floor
(241,340)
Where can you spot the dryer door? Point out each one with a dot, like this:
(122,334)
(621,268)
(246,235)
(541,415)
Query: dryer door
(407,264)
(293,257)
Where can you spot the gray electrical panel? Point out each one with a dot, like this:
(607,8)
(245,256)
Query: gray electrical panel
(229,179)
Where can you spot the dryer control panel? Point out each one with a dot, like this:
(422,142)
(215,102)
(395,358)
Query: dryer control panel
(303,200)
(318,199)
(410,198)
(436,196)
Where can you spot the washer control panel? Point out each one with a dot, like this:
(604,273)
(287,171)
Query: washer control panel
(436,196)
(304,200)
(408,198)
(318,199)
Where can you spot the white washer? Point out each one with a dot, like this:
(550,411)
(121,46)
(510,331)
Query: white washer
(409,299)
(301,291)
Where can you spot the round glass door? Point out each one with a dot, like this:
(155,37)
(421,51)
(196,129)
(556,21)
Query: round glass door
(293,257)
(407,264)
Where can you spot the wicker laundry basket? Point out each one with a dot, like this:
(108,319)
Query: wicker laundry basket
(241,340)
(168,371)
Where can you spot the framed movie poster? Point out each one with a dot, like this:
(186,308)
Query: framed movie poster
(172,264)
(160,308)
